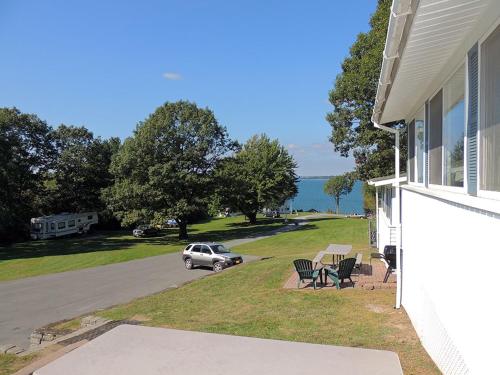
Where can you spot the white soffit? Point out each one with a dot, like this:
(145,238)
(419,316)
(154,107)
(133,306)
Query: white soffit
(438,28)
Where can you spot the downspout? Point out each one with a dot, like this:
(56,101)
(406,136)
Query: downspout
(376,216)
(397,213)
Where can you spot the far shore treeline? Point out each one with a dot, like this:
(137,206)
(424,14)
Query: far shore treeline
(179,163)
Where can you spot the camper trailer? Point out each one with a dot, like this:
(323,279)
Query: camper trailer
(63,224)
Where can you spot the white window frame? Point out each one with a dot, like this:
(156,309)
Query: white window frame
(415,164)
(483,193)
(454,189)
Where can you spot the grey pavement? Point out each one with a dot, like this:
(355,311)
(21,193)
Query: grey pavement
(33,302)
(131,350)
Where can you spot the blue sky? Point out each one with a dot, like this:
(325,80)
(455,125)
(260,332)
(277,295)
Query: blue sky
(261,66)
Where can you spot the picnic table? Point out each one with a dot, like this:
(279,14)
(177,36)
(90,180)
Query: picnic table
(335,250)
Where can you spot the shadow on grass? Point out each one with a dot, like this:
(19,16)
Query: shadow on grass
(123,240)
(242,233)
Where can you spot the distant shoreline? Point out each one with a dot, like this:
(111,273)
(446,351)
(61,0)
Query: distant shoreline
(314,177)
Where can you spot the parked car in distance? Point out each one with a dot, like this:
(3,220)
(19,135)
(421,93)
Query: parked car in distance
(171,223)
(145,231)
(209,254)
(273,214)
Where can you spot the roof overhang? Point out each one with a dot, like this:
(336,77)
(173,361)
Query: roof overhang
(422,36)
(386,180)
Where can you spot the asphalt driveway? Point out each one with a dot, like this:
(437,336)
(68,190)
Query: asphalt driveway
(33,302)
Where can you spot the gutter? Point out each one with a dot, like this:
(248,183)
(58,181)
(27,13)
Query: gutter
(401,15)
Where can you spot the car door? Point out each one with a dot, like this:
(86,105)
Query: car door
(206,255)
(195,253)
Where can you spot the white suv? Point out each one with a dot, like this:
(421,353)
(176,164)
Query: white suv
(209,254)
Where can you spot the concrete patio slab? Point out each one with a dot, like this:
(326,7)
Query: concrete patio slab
(145,350)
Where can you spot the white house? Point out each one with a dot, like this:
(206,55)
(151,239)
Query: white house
(441,74)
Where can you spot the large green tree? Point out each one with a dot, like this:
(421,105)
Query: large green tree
(369,199)
(166,169)
(80,170)
(338,186)
(26,154)
(260,175)
(353,97)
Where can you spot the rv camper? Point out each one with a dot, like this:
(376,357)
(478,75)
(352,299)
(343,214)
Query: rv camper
(60,225)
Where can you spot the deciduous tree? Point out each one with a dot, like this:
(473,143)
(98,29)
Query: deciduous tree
(260,175)
(353,97)
(26,154)
(166,169)
(80,171)
(338,186)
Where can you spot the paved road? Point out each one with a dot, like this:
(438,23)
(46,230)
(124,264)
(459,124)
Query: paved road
(33,302)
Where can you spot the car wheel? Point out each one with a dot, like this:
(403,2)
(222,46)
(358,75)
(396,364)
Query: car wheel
(188,262)
(218,267)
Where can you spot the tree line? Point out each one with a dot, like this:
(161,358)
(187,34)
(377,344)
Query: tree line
(179,163)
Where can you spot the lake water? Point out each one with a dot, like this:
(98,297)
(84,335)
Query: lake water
(311,195)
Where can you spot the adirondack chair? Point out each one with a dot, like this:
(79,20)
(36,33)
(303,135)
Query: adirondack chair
(358,264)
(343,271)
(306,271)
(391,261)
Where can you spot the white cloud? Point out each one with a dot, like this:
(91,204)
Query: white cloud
(172,76)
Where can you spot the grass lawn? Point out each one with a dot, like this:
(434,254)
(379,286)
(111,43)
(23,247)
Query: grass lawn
(249,300)
(43,257)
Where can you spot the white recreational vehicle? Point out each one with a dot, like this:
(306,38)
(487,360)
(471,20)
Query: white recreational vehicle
(60,225)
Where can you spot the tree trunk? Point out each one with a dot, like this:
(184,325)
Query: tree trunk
(183,233)
(252,217)
(337,203)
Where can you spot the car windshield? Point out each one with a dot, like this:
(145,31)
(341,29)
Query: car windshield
(143,227)
(219,249)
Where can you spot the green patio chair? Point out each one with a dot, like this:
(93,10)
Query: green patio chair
(306,271)
(343,271)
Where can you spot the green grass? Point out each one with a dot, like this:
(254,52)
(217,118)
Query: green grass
(35,258)
(249,300)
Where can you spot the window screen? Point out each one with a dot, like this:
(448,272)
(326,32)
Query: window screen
(419,145)
(411,150)
(490,124)
(436,139)
(454,129)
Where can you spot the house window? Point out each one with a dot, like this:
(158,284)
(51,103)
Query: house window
(419,145)
(61,225)
(71,223)
(490,123)
(436,139)
(89,217)
(411,151)
(454,129)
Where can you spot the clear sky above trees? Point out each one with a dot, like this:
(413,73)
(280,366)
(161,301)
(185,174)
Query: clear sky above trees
(261,66)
